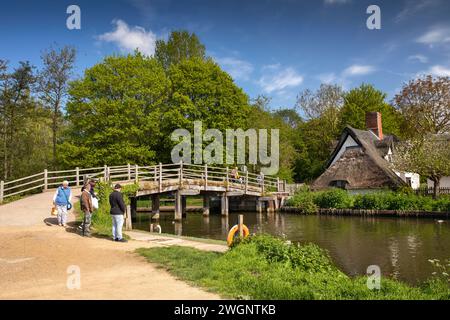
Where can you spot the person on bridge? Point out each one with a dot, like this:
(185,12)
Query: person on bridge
(117,211)
(62,201)
(87,208)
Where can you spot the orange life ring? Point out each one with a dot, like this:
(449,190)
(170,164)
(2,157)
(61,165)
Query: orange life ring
(233,231)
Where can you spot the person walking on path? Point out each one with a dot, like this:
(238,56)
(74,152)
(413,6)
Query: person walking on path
(118,209)
(86,207)
(62,200)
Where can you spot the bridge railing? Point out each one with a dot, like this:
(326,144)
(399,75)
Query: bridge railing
(133,173)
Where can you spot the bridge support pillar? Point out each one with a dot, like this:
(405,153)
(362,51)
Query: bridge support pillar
(133,208)
(270,206)
(183,206)
(205,205)
(224,204)
(178,206)
(259,206)
(155,207)
(178,228)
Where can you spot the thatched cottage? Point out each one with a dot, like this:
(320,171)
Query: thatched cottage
(361,160)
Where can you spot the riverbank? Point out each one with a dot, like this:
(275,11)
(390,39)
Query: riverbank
(267,268)
(372,213)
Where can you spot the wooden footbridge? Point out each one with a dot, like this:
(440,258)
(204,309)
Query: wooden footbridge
(179,180)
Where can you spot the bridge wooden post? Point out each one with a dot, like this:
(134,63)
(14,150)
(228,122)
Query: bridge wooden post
(77,172)
(155,207)
(284,185)
(227,180)
(2,190)
(246,180)
(155,174)
(129,171)
(136,176)
(180,173)
(160,177)
(206,178)
(45,180)
(178,209)
(278,184)
(262,182)
(224,204)
(128,222)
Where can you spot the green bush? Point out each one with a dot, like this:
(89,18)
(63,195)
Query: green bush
(304,200)
(442,204)
(405,200)
(334,198)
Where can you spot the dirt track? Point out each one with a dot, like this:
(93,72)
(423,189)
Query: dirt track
(35,255)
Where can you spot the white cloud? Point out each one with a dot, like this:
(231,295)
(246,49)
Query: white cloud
(414,7)
(129,39)
(436,71)
(238,69)
(418,58)
(358,70)
(331,2)
(279,79)
(436,35)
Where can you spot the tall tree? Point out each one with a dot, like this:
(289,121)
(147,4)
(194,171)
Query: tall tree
(428,156)
(53,84)
(324,104)
(425,104)
(359,101)
(16,102)
(114,113)
(181,45)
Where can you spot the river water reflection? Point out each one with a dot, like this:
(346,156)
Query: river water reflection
(400,247)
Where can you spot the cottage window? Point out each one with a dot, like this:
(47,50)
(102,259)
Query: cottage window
(339,184)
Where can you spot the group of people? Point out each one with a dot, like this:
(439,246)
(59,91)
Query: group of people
(62,200)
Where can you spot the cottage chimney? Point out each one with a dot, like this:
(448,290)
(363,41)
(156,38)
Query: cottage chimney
(374,124)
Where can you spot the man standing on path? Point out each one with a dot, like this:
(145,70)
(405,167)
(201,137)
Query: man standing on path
(62,201)
(118,209)
(86,207)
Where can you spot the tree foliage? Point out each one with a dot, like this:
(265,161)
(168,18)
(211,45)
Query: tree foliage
(359,101)
(428,156)
(53,81)
(114,112)
(425,105)
(181,45)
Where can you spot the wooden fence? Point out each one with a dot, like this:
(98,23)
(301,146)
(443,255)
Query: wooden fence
(429,191)
(134,173)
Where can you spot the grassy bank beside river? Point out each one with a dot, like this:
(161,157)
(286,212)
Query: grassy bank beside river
(264,267)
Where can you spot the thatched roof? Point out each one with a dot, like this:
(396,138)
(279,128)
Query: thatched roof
(364,167)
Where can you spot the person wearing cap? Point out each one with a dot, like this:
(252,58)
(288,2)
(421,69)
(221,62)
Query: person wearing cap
(117,211)
(62,201)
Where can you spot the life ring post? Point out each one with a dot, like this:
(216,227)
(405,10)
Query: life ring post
(241,225)
(240,229)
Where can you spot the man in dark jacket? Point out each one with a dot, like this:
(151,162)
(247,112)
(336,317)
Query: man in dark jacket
(118,209)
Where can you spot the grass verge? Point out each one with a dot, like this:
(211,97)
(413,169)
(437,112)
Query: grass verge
(264,267)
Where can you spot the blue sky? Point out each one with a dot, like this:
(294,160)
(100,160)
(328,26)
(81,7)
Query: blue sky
(271,47)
